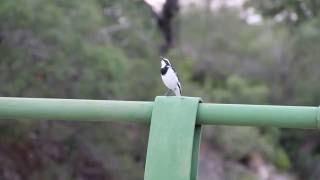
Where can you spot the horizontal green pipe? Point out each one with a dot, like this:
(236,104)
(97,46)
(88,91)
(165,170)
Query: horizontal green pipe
(74,109)
(259,115)
(137,111)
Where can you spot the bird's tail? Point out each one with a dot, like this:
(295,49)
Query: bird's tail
(177,91)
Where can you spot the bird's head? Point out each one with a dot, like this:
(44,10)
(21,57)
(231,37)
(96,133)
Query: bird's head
(164,62)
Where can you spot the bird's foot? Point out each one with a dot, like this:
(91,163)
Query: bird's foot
(168,93)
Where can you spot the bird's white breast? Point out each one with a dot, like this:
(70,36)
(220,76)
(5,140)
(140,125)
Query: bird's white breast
(170,79)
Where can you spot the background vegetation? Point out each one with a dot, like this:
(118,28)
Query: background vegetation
(107,49)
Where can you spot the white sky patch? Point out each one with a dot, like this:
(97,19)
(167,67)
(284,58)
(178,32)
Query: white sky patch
(254,19)
(249,15)
(156,5)
(227,3)
(214,3)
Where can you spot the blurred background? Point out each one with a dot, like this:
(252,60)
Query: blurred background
(231,51)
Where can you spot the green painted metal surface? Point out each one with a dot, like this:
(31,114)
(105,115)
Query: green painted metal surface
(318,118)
(137,111)
(175,126)
(259,115)
(74,109)
(173,140)
(196,151)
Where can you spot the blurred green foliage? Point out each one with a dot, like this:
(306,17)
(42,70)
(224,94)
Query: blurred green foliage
(107,49)
(292,12)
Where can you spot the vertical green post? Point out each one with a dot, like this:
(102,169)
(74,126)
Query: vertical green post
(173,140)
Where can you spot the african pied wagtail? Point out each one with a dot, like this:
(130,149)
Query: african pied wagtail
(170,77)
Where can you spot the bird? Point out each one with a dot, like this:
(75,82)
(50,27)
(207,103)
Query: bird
(169,77)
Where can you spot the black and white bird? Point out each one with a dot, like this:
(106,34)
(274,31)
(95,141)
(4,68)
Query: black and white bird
(170,77)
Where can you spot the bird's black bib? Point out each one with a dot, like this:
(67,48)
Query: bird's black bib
(164,70)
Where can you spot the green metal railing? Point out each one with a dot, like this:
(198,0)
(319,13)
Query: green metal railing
(175,123)
(304,117)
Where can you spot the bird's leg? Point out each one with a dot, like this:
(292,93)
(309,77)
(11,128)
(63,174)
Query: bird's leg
(168,92)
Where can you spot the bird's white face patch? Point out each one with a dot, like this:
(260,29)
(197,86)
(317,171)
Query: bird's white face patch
(163,64)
